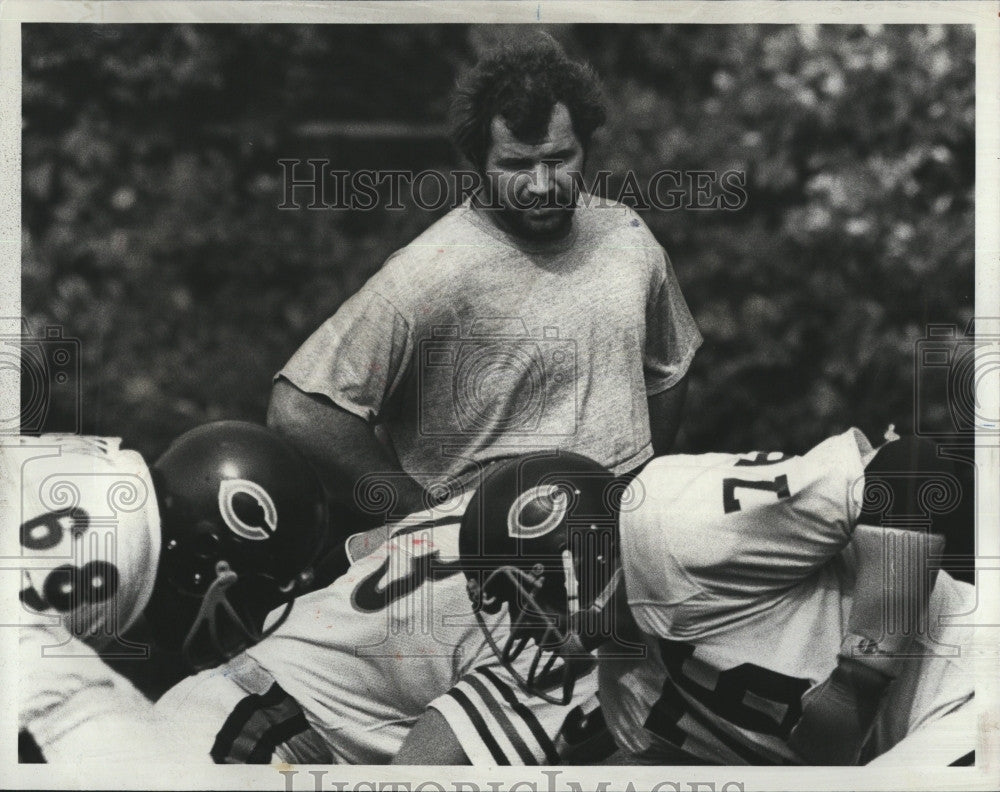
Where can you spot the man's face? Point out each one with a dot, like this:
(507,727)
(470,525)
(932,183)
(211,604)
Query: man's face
(535,193)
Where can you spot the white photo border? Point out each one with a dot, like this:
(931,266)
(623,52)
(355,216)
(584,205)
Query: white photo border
(983,16)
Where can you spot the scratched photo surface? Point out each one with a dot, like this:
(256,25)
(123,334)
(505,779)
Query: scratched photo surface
(774,221)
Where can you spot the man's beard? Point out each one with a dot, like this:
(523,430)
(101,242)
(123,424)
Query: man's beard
(551,222)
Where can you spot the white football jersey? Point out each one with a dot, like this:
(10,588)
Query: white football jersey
(365,657)
(79,711)
(81,516)
(739,570)
(85,521)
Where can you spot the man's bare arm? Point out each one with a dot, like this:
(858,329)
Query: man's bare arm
(343,446)
(665,416)
(431,742)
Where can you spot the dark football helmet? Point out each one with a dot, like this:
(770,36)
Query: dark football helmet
(539,534)
(244,518)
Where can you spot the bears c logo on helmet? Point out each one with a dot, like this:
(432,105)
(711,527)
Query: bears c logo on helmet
(537,511)
(247,509)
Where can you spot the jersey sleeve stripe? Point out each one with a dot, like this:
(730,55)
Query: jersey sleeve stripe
(236,722)
(273,737)
(527,757)
(248,722)
(305,747)
(544,741)
(256,729)
(480,725)
(256,739)
(28,751)
(740,749)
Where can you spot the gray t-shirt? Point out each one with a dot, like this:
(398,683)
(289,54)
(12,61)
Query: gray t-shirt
(470,346)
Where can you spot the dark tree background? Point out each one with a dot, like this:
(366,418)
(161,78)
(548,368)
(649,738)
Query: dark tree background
(151,184)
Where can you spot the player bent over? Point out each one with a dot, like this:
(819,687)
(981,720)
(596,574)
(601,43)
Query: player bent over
(195,552)
(744,609)
(233,521)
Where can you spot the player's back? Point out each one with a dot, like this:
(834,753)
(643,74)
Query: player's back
(734,696)
(364,657)
(737,573)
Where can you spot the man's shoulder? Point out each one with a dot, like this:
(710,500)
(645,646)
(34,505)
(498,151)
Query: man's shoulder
(607,223)
(446,245)
(608,214)
(446,234)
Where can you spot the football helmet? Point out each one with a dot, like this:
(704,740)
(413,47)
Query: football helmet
(539,534)
(244,518)
(89,531)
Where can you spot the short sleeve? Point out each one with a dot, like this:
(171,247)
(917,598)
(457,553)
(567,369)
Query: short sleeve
(497,723)
(672,337)
(357,358)
(237,714)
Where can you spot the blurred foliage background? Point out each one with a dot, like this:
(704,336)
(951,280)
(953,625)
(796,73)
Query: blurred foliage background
(151,185)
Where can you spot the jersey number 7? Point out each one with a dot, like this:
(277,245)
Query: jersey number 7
(730,503)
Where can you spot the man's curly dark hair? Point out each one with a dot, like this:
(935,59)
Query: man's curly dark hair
(521,81)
